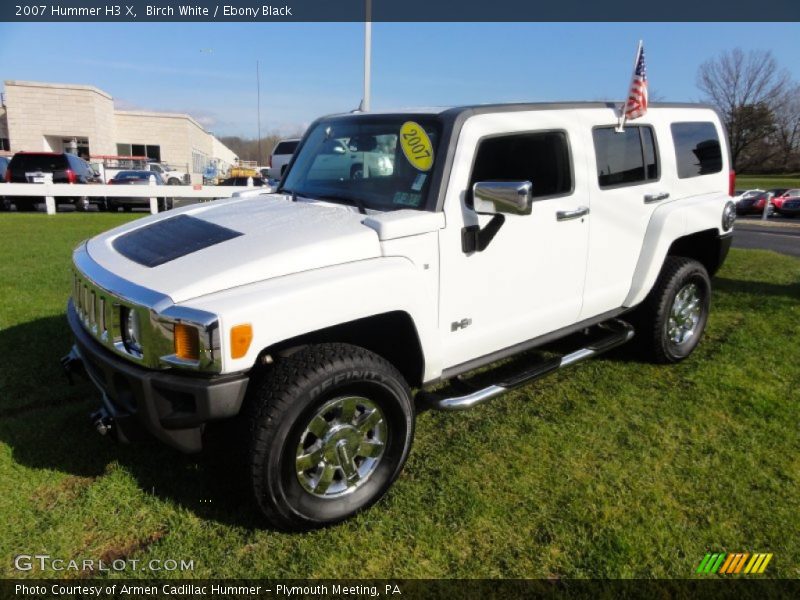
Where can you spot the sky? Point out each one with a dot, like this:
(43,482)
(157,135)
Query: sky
(310,69)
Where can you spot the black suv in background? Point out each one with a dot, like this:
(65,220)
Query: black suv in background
(32,167)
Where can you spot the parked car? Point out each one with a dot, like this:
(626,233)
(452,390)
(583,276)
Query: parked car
(744,195)
(136,178)
(170,175)
(280,157)
(242,181)
(788,204)
(753,204)
(4,202)
(308,316)
(4,160)
(785,195)
(34,167)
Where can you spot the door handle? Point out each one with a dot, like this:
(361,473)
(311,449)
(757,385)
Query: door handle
(650,198)
(566,215)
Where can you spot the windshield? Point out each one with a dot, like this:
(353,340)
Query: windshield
(382,163)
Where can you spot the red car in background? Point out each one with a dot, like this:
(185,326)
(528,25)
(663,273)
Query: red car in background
(778,200)
(752,204)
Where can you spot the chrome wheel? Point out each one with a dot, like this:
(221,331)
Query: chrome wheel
(341,446)
(685,314)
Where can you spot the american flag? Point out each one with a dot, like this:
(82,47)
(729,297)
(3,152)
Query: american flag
(636,105)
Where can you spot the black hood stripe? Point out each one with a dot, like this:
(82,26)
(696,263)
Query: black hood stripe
(161,242)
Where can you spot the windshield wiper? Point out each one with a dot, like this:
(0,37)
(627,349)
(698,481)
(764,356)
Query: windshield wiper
(342,200)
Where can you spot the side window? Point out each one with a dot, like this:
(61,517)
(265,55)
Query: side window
(626,158)
(697,149)
(542,158)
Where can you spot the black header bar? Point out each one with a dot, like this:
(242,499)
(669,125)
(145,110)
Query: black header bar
(399,10)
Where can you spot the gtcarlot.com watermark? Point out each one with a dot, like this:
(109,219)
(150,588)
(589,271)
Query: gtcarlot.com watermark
(45,562)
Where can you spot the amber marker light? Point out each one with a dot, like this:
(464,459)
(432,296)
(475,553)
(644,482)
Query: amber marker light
(241,336)
(187,342)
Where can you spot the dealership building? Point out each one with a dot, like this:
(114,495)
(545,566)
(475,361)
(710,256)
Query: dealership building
(56,117)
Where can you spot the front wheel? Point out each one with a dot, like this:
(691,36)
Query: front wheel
(331,427)
(671,321)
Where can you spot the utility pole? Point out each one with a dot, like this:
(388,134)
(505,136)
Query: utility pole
(367,54)
(258,100)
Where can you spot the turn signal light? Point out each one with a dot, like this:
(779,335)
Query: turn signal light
(241,336)
(187,342)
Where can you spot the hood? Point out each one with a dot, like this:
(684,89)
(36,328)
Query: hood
(235,242)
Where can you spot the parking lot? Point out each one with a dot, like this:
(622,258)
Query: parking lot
(779,234)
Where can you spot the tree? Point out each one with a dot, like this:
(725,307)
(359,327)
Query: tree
(787,129)
(745,88)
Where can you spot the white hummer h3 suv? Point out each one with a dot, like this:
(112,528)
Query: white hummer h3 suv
(470,234)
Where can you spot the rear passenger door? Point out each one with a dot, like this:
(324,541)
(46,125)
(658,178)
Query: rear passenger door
(626,186)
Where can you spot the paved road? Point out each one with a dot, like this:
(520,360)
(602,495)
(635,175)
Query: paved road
(785,240)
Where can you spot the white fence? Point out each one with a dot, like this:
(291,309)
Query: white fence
(51,191)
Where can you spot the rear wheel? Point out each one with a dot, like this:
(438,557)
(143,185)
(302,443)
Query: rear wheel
(331,427)
(82,204)
(671,321)
(174,181)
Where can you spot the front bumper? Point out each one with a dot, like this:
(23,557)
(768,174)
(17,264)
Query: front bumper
(172,408)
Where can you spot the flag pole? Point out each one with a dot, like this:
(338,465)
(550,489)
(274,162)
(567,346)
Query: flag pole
(621,125)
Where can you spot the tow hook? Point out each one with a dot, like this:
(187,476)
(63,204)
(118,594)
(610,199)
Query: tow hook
(102,421)
(71,364)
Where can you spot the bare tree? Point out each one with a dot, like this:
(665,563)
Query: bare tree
(745,88)
(787,129)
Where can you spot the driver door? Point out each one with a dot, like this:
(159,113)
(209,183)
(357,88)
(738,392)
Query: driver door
(529,280)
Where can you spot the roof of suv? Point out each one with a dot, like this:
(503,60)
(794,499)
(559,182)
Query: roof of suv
(515,106)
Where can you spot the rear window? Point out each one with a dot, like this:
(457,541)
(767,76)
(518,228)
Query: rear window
(542,158)
(697,149)
(285,148)
(625,158)
(39,162)
(131,176)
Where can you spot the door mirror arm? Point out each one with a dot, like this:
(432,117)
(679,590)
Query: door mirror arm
(476,239)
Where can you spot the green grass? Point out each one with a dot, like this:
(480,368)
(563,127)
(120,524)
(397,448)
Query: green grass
(614,468)
(765,182)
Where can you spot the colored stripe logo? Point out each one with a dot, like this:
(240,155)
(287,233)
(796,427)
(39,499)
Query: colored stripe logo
(732,563)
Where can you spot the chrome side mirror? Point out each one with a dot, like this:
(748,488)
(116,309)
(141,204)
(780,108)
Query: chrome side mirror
(513,197)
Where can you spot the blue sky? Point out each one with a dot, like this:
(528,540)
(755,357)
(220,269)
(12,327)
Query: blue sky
(310,69)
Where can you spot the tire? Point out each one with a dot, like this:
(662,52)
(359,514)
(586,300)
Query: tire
(25,205)
(81,204)
(127,208)
(173,181)
(668,327)
(314,388)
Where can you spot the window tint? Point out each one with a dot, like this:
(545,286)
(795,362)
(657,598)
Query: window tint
(697,149)
(285,148)
(625,158)
(39,162)
(541,158)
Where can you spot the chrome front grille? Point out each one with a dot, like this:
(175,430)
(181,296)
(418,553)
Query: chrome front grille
(97,309)
(101,313)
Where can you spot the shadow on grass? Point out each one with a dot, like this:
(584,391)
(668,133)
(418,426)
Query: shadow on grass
(45,423)
(789,291)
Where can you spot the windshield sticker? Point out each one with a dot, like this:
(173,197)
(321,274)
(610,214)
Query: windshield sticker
(406,199)
(419,181)
(416,146)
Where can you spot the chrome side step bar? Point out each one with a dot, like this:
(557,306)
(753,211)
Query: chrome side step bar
(619,332)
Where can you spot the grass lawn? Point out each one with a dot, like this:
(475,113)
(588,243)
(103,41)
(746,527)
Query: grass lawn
(766,182)
(614,468)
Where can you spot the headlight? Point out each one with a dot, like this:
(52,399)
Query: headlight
(728,216)
(131,332)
